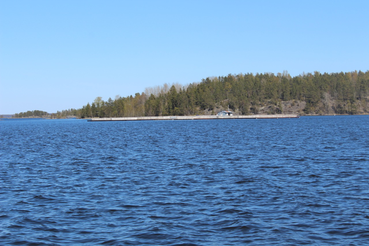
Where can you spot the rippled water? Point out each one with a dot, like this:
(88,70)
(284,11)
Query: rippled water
(220,182)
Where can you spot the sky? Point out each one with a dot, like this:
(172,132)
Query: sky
(62,54)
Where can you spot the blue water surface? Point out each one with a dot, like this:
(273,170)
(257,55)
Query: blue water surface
(215,182)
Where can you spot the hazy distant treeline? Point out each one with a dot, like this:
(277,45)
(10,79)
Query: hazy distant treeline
(34,113)
(317,93)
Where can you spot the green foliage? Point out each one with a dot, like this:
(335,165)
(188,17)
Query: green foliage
(31,114)
(244,94)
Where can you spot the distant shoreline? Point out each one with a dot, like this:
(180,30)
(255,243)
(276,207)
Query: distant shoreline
(198,117)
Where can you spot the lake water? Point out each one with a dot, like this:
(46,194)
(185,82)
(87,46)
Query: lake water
(219,182)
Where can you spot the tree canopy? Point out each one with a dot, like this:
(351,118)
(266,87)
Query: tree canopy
(30,114)
(268,93)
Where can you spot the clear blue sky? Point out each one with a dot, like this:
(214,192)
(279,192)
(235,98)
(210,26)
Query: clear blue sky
(62,54)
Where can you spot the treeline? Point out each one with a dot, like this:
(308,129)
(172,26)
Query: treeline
(335,93)
(306,94)
(66,114)
(30,114)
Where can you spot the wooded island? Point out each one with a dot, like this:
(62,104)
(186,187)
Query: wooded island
(244,94)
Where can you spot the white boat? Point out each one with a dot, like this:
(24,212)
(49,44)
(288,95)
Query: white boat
(225,113)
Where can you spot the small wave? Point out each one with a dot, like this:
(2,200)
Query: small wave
(237,228)
(130,206)
(15,226)
(185,244)
(113,210)
(153,236)
(229,211)
(21,203)
(41,197)
(110,242)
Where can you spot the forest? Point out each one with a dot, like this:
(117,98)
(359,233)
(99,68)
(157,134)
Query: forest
(34,113)
(244,94)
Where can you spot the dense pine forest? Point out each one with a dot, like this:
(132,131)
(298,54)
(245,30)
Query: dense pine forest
(306,94)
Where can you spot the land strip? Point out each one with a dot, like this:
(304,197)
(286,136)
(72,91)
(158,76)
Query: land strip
(197,117)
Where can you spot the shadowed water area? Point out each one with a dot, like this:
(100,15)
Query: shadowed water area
(218,182)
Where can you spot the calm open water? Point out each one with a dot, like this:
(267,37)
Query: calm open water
(219,182)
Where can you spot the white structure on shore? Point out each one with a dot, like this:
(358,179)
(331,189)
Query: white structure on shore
(225,113)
